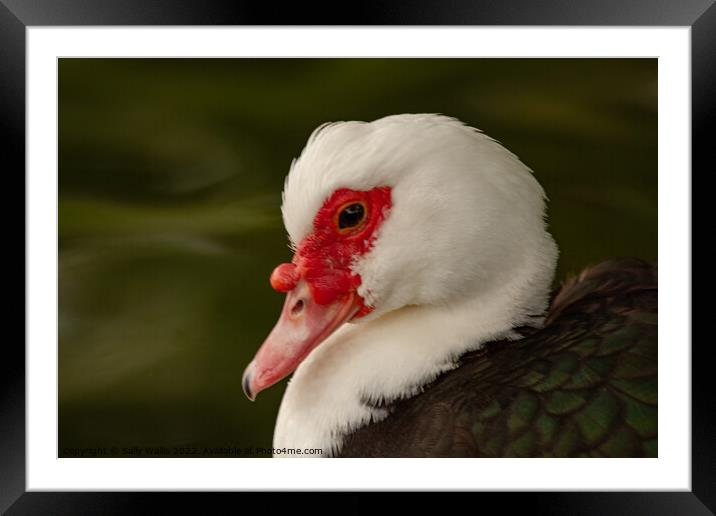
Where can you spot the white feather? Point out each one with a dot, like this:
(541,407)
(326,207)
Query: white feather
(463,257)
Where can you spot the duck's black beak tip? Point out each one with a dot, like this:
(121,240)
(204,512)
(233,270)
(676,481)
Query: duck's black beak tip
(246,383)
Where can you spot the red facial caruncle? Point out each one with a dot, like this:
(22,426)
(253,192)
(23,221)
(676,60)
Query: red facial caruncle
(321,288)
(340,235)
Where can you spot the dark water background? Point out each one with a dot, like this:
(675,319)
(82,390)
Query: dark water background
(170,177)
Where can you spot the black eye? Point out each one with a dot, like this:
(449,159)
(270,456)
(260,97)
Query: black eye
(351,216)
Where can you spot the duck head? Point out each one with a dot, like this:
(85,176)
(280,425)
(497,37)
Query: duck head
(408,210)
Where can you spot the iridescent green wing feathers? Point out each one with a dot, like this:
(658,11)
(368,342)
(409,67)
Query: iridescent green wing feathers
(585,385)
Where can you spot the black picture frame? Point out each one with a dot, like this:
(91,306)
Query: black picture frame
(17,15)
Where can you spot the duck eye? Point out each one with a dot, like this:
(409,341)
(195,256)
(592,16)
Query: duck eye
(351,216)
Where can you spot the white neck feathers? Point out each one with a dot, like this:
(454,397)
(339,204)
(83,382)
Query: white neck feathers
(395,355)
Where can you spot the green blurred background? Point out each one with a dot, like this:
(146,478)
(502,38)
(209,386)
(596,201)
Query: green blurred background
(170,177)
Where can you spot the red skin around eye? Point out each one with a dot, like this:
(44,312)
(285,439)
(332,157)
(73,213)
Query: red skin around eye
(324,257)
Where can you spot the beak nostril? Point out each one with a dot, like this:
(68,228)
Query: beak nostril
(297,308)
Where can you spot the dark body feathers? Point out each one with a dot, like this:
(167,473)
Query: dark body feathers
(585,385)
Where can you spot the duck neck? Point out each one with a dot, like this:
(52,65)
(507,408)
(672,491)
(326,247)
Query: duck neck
(336,389)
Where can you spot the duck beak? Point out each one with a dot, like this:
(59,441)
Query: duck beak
(302,326)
